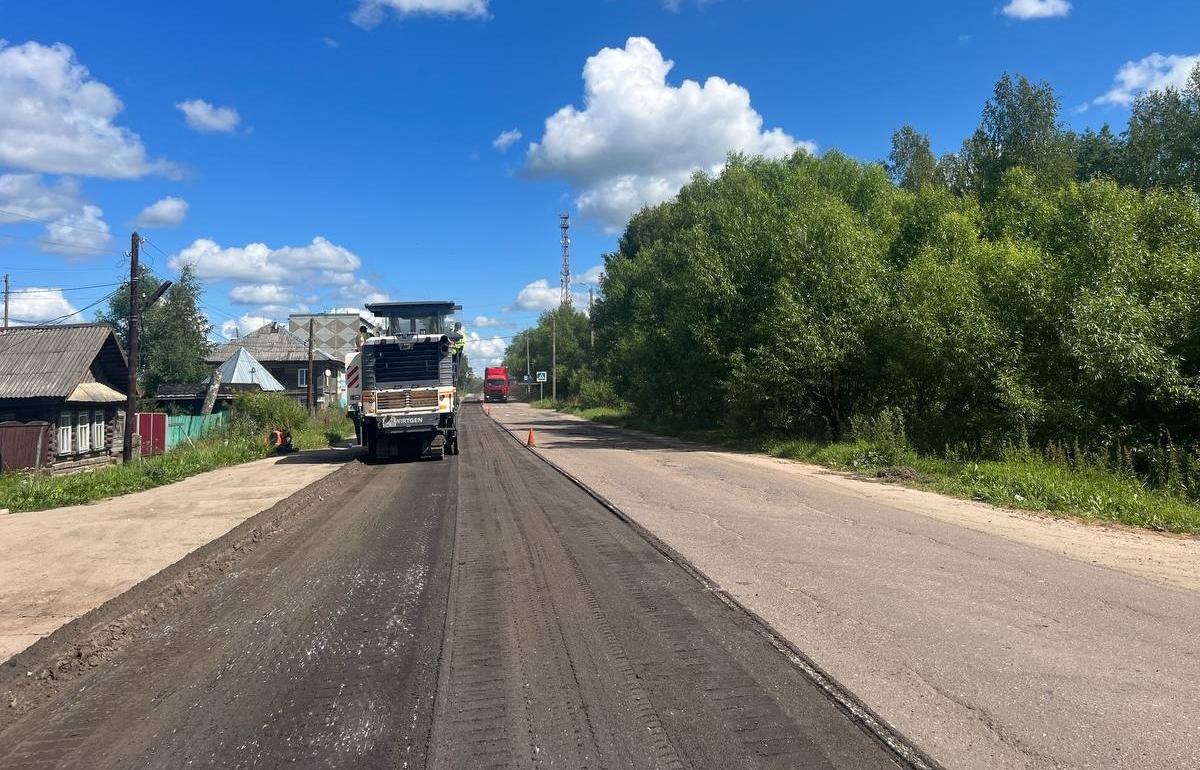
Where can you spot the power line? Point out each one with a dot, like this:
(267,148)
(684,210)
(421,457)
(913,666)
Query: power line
(54,223)
(63,289)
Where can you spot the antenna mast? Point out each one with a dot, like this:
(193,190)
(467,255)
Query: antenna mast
(564,223)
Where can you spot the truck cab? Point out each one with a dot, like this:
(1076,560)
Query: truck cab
(408,396)
(495,384)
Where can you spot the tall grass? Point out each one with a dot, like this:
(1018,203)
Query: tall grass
(1055,480)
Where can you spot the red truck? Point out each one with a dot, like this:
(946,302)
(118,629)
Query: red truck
(495,383)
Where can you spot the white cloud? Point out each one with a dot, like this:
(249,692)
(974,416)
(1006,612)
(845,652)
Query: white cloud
(257,263)
(485,351)
(370,13)
(244,325)
(506,139)
(487,322)
(37,304)
(330,42)
(1037,9)
(168,212)
(1151,73)
(57,119)
(261,294)
(207,118)
(589,277)
(26,195)
(77,234)
(638,139)
(539,295)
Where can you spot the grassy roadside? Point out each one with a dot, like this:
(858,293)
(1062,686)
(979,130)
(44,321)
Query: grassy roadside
(1023,481)
(240,443)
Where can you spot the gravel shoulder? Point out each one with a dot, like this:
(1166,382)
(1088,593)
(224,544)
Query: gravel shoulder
(992,638)
(57,565)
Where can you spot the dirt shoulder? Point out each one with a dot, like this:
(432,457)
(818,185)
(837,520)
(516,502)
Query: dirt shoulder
(58,564)
(992,638)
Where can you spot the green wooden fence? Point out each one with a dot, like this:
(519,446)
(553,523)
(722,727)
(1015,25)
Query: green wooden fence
(186,428)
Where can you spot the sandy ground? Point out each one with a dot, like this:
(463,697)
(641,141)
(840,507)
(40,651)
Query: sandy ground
(58,564)
(992,638)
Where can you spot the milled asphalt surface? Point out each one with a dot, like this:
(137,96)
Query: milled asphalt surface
(481,611)
(58,564)
(986,650)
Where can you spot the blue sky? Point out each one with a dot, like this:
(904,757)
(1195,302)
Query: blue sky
(314,155)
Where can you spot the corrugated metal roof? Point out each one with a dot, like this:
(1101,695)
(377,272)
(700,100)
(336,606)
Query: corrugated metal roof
(242,368)
(50,361)
(272,343)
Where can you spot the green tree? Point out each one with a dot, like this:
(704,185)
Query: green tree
(911,163)
(1019,127)
(173,337)
(1098,154)
(573,349)
(1163,139)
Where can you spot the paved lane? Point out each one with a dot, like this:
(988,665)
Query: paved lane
(481,611)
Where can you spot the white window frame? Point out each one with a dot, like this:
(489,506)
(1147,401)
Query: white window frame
(83,431)
(301,378)
(98,430)
(66,430)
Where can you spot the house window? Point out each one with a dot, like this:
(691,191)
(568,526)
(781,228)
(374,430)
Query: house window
(98,429)
(66,421)
(83,430)
(301,378)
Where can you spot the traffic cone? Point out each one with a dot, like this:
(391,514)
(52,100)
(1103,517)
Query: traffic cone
(529,441)
(487,410)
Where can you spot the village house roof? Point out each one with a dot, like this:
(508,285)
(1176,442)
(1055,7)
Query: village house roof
(271,344)
(58,362)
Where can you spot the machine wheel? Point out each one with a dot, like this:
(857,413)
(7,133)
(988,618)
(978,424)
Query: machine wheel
(453,445)
(372,441)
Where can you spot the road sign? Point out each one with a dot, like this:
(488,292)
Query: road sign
(525,378)
(541,377)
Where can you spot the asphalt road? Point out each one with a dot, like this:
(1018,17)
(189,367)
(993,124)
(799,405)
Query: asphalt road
(992,638)
(481,611)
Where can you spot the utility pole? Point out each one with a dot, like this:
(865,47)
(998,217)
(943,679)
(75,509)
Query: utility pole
(554,358)
(135,312)
(312,404)
(591,326)
(6,300)
(528,374)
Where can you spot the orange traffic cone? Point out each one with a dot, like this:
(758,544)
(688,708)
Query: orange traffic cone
(487,410)
(529,441)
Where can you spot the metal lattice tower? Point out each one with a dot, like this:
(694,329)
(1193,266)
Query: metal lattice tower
(564,223)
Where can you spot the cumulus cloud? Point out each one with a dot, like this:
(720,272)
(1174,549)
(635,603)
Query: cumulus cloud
(27,195)
(485,351)
(589,277)
(487,322)
(37,304)
(506,139)
(261,294)
(208,118)
(257,263)
(1151,73)
(77,234)
(1037,9)
(244,325)
(539,295)
(73,227)
(168,212)
(277,277)
(370,13)
(638,139)
(59,120)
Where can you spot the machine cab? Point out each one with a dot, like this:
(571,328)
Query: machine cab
(415,319)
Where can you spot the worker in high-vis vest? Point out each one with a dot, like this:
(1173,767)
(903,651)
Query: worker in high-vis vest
(458,338)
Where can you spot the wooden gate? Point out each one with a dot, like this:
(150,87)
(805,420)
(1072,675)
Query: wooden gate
(23,445)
